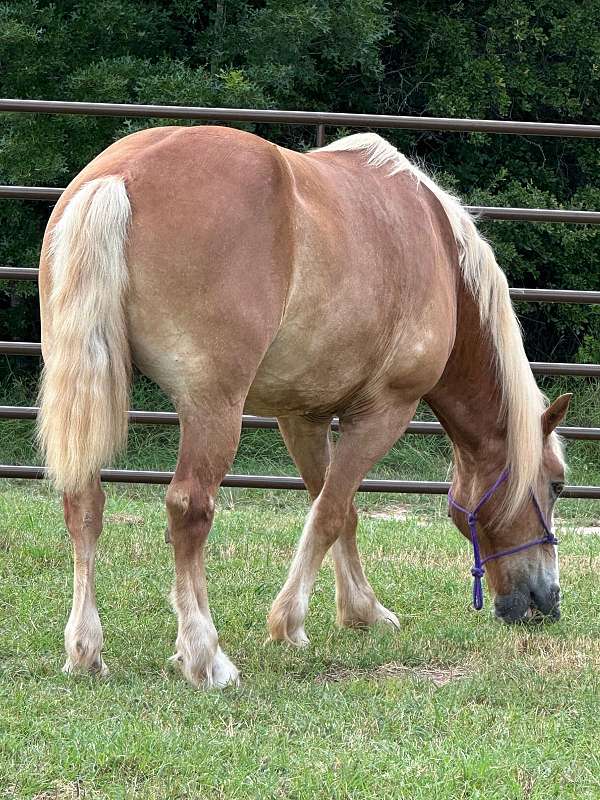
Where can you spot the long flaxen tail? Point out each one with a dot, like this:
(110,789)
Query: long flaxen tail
(84,396)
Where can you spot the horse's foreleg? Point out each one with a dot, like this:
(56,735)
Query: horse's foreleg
(332,521)
(357,605)
(83,633)
(207,447)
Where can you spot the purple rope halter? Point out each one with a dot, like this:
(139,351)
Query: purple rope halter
(477,570)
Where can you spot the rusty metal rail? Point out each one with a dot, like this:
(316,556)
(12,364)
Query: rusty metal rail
(524,295)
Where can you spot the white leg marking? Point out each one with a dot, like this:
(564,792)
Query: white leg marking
(357,605)
(286,619)
(198,655)
(83,632)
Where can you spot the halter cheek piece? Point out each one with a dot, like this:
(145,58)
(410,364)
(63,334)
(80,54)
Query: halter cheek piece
(478,571)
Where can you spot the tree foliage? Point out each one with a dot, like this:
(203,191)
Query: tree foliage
(535,60)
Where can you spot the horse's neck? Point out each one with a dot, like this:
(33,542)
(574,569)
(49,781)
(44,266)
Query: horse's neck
(467,399)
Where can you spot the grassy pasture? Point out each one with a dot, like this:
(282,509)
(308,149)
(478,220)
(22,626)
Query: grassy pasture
(455,705)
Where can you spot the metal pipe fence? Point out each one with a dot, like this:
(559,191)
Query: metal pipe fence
(315,118)
(275,482)
(420,428)
(320,120)
(52,193)
(537,367)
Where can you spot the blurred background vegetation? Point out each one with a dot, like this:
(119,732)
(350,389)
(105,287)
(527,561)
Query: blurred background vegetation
(506,59)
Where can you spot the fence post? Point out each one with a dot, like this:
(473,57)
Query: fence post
(320,135)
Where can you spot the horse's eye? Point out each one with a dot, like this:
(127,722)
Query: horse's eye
(557,487)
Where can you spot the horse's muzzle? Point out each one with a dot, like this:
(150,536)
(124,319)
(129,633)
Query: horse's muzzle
(530,606)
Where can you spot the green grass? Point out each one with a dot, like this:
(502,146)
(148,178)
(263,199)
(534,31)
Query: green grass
(512,712)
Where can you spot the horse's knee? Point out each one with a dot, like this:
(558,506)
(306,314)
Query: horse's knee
(190,508)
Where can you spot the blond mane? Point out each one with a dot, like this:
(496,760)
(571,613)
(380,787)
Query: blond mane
(522,401)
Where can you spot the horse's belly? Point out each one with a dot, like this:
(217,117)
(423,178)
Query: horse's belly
(281,388)
(321,374)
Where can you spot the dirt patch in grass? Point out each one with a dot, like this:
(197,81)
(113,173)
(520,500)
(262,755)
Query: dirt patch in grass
(439,676)
(588,530)
(549,655)
(398,513)
(69,791)
(125,519)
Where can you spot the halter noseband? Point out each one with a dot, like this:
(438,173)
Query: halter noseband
(477,570)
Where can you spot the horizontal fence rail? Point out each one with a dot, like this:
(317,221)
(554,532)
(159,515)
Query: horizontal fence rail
(548,296)
(334,119)
(484,212)
(276,482)
(537,367)
(251,421)
(524,295)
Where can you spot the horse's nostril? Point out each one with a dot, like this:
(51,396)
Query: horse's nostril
(552,597)
(547,602)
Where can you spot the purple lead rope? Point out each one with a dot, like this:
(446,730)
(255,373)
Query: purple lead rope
(478,568)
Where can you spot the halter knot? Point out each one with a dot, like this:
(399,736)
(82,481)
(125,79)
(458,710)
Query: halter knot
(477,572)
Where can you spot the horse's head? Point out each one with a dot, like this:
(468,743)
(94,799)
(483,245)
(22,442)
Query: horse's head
(518,556)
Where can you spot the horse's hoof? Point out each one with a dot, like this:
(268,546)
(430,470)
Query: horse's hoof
(297,638)
(387,617)
(97,668)
(221,673)
(363,618)
(224,672)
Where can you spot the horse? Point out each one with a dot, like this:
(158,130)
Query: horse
(238,274)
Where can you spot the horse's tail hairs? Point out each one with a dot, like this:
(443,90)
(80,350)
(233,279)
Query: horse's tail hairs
(84,395)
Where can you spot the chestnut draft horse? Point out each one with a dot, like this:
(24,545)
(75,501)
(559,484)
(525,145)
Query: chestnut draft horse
(240,275)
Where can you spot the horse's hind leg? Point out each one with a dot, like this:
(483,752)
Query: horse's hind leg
(83,633)
(333,519)
(207,447)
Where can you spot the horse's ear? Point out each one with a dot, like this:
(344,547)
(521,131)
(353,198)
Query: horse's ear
(555,413)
